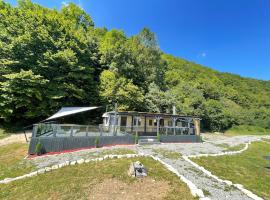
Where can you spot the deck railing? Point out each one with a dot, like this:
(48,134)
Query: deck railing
(73,130)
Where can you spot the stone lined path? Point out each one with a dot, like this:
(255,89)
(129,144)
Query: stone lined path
(211,187)
(214,189)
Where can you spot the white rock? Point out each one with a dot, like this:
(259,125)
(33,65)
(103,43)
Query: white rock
(18,178)
(100,159)
(47,169)
(73,162)
(205,198)
(239,186)
(61,165)
(199,193)
(8,179)
(87,161)
(54,167)
(81,161)
(31,174)
(228,182)
(41,171)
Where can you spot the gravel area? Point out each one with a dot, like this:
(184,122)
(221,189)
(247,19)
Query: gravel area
(44,161)
(15,138)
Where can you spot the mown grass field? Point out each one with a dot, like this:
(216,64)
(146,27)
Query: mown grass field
(12,163)
(249,168)
(107,179)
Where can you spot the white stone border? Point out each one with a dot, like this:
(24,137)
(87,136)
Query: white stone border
(193,188)
(238,186)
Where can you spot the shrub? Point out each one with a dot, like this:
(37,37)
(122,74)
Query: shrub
(158,137)
(97,141)
(38,149)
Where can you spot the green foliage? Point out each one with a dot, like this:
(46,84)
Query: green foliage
(21,89)
(158,137)
(97,142)
(222,100)
(159,101)
(39,148)
(50,59)
(120,90)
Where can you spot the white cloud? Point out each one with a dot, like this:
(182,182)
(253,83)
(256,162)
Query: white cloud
(64,3)
(202,54)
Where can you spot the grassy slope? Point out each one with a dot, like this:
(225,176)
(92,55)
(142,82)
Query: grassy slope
(11,160)
(248,168)
(247,130)
(75,182)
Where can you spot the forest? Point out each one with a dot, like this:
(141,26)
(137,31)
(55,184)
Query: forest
(52,58)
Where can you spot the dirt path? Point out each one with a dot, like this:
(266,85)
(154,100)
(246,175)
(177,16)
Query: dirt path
(15,138)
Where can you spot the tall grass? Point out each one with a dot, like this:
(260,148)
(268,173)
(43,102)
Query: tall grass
(247,130)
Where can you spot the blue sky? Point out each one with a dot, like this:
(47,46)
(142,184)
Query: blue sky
(227,35)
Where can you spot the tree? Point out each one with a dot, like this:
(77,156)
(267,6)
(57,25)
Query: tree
(159,101)
(23,96)
(58,46)
(114,89)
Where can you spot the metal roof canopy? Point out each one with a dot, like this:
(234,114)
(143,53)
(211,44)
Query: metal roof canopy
(66,111)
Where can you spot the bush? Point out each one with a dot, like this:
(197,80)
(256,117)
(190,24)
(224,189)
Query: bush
(158,137)
(97,141)
(39,149)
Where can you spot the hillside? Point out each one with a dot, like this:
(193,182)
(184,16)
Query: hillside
(222,99)
(51,58)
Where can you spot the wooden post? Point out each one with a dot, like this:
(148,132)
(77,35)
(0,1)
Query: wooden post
(145,124)
(34,131)
(158,118)
(174,125)
(86,131)
(132,122)
(137,123)
(114,123)
(54,130)
(197,126)
(71,132)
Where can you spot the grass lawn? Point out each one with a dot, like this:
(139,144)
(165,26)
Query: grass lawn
(100,180)
(246,130)
(11,161)
(249,168)
(230,148)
